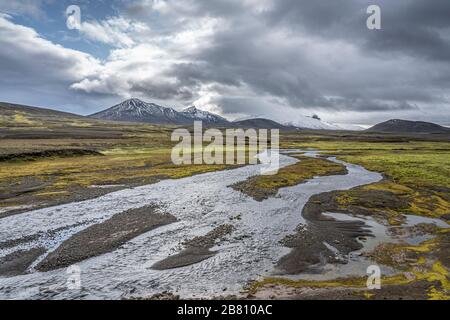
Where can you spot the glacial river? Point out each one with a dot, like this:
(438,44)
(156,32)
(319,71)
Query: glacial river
(200,203)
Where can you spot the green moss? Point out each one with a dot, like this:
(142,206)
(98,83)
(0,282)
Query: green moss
(262,187)
(123,164)
(417,169)
(349,282)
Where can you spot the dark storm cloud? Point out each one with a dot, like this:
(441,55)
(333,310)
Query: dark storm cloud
(414,27)
(161,91)
(247,55)
(371,105)
(255,55)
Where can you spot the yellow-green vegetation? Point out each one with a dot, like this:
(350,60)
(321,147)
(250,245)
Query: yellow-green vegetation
(19,119)
(420,262)
(437,276)
(417,172)
(412,260)
(415,163)
(416,169)
(143,156)
(262,187)
(128,165)
(349,282)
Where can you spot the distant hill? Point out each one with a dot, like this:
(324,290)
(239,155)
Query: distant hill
(404,126)
(23,122)
(261,123)
(11,109)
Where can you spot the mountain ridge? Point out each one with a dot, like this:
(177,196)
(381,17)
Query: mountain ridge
(135,110)
(407,126)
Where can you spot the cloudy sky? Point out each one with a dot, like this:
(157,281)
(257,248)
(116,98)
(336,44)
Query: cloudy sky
(274,58)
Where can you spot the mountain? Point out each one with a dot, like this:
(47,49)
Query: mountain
(304,122)
(261,123)
(208,117)
(299,121)
(404,126)
(135,110)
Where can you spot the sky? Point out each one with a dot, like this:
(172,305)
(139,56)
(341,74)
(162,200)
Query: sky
(273,58)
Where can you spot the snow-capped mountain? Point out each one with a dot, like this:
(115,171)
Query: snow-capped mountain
(304,122)
(205,116)
(135,110)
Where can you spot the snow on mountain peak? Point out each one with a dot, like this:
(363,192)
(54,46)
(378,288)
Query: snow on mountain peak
(136,110)
(193,112)
(192,109)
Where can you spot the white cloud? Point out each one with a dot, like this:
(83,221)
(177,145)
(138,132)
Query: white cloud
(142,68)
(22,7)
(114,31)
(26,53)
(36,71)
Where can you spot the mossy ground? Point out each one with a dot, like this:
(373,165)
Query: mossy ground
(118,166)
(141,156)
(263,187)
